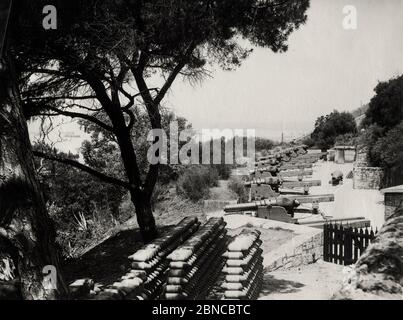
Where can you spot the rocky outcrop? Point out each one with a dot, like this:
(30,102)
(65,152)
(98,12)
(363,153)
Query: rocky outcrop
(378,274)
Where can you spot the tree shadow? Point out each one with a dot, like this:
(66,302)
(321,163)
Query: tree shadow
(272,285)
(107,261)
(10,290)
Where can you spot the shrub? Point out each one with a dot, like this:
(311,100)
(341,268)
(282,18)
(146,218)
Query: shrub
(195,182)
(223,170)
(81,231)
(328,127)
(237,186)
(263,144)
(308,141)
(388,150)
(348,139)
(385,108)
(369,138)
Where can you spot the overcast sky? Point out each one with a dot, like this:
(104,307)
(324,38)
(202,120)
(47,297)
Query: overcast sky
(325,68)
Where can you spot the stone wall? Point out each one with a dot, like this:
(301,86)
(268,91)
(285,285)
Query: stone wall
(367,178)
(361,159)
(304,244)
(305,253)
(364,176)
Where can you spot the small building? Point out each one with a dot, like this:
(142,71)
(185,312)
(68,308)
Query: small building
(393,199)
(331,154)
(344,154)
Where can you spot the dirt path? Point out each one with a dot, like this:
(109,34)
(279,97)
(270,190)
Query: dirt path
(318,281)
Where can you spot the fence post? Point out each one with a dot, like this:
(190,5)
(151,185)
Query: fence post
(348,252)
(325,242)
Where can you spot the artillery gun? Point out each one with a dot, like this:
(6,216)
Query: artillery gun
(337,178)
(268,162)
(279,186)
(281,209)
(302,149)
(275,156)
(309,158)
(291,166)
(300,173)
(285,154)
(276,159)
(274,171)
(261,189)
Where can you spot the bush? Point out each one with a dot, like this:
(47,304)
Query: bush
(263,144)
(385,108)
(328,127)
(348,139)
(237,186)
(388,150)
(195,182)
(82,231)
(308,141)
(369,138)
(223,170)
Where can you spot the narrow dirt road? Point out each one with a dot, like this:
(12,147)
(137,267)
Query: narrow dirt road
(317,281)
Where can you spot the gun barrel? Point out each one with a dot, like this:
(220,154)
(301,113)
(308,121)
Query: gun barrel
(248,206)
(295,173)
(311,198)
(295,184)
(270,181)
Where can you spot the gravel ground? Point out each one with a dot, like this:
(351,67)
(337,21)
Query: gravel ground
(317,281)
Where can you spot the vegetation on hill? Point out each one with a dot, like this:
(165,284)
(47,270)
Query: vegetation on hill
(383,129)
(335,127)
(359,112)
(386,107)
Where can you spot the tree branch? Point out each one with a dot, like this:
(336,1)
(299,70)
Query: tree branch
(64,98)
(171,78)
(82,116)
(84,168)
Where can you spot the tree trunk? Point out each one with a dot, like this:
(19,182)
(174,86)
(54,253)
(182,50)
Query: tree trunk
(24,223)
(145,217)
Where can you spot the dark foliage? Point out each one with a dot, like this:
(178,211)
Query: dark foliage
(386,107)
(328,127)
(196,181)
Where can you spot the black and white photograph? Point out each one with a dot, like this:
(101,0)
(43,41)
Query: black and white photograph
(217,151)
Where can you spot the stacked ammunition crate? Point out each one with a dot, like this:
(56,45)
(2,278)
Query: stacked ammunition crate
(148,275)
(244,266)
(195,266)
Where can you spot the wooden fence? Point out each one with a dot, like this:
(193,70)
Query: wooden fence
(343,244)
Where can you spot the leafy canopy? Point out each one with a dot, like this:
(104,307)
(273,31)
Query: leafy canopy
(155,35)
(329,127)
(386,107)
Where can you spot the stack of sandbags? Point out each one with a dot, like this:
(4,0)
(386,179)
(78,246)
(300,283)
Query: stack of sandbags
(244,266)
(195,266)
(149,265)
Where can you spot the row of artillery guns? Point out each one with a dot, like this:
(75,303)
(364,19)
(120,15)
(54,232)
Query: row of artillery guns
(279,186)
